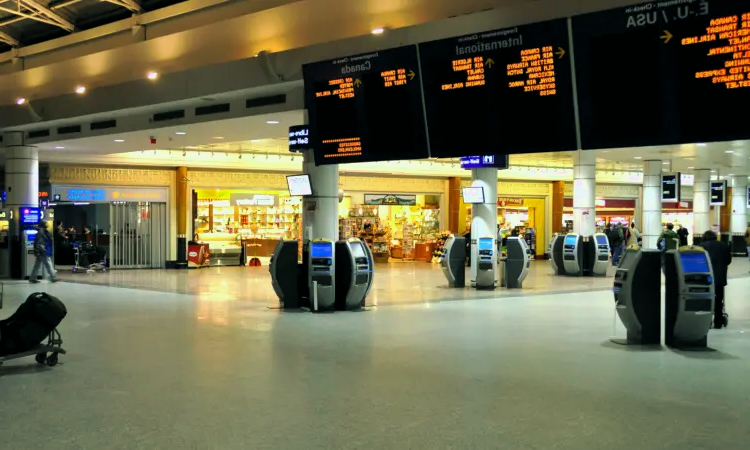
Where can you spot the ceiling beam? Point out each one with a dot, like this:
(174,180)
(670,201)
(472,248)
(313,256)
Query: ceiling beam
(131,5)
(8,39)
(51,17)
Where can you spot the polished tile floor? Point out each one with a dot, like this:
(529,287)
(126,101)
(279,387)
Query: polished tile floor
(212,369)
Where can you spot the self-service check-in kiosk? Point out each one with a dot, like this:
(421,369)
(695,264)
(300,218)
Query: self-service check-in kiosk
(321,276)
(517,263)
(689,297)
(573,254)
(599,254)
(556,254)
(453,262)
(285,273)
(486,263)
(637,291)
(28,222)
(354,271)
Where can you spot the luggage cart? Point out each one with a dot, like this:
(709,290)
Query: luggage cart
(53,345)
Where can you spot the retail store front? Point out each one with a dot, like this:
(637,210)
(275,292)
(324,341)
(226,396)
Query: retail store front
(397,227)
(243,226)
(130,226)
(608,211)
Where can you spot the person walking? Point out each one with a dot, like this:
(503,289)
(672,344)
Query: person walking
(42,258)
(670,237)
(683,234)
(721,258)
(635,235)
(616,239)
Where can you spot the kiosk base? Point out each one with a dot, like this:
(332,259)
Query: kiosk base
(699,345)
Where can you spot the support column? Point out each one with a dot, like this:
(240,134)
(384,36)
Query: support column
(321,210)
(454,205)
(21,172)
(182,201)
(558,203)
(725,214)
(584,193)
(652,191)
(701,202)
(738,221)
(483,216)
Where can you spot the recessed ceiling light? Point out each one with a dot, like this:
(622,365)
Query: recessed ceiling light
(377,31)
(691,167)
(20,101)
(638,157)
(80,89)
(59,148)
(119,140)
(152,75)
(255,140)
(191,146)
(701,145)
(179,132)
(218,137)
(729,151)
(272,122)
(665,162)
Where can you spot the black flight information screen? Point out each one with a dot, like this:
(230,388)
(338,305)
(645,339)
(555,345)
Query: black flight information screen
(500,92)
(663,72)
(366,108)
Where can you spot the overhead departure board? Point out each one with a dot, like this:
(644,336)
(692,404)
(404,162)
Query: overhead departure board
(366,108)
(664,72)
(500,92)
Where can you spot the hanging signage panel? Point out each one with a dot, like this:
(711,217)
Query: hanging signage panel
(670,188)
(718,193)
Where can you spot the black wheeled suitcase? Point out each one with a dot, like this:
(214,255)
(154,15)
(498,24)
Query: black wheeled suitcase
(32,322)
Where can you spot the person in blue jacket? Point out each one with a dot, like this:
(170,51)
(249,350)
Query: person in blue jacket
(42,253)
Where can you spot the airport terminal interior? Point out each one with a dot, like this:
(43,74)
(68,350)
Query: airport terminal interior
(396,224)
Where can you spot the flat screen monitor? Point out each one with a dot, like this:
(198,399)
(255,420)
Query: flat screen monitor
(30,236)
(473,195)
(571,239)
(485,243)
(299,185)
(357,250)
(601,240)
(321,250)
(694,262)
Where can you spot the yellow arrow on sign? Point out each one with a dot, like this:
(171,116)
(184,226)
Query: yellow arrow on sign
(412,74)
(667,37)
(560,52)
(489,62)
(358,82)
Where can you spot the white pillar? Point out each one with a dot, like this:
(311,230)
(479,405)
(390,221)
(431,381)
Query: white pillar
(584,193)
(701,202)
(483,216)
(738,222)
(21,172)
(321,210)
(652,191)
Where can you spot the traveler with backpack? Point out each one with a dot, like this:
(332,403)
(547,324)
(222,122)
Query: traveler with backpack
(616,239)
(670,237)
(42,256)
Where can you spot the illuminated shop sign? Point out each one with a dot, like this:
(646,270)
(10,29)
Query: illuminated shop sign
(107,194)
(390,199)
(253,199)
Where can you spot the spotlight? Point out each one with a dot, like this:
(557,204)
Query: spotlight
(20,101)
(80,89)
(152,75)
(378,31)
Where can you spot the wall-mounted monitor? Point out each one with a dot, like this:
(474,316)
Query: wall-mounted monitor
(299,185)
(299,138)
(718,193)
(473,195)
(30,216)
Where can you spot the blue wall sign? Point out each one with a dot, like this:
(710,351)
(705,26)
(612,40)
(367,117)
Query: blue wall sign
(484,161)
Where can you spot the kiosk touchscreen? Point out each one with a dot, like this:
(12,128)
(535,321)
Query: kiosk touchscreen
(637,291)
(517,263)
(689,297)
(354,270)
(285,273)
(573,255)
(600,258)
(321,276)
(486,263)
(453,262)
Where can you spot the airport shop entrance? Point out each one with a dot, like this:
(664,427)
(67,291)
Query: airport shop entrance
(121,223)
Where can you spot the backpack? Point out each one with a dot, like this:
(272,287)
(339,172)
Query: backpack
(32,322)
(615,236)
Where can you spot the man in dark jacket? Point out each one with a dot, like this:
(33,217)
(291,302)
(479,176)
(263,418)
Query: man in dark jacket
(721,258)
(42,256)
